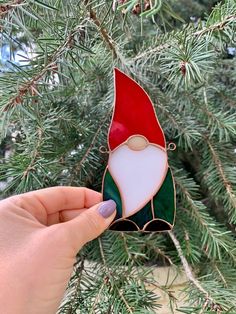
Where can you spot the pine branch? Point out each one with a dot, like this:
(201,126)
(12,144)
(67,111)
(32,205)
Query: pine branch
(189,274)
(122,235)
(35,153)
(220,275)
(78,274)
(93,141)
(223,272)
(151,244)
(92,310)
(30,85)
(154,50)
(182,126)
(7,7)
(231,103)
(91,145)
(106,37)
(217,26)
(214,238)
(227,184)
(221,123)
(186,266)
(130,310)
(219,167)
(171,117)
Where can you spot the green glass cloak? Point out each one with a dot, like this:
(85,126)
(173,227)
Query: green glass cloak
(162,216)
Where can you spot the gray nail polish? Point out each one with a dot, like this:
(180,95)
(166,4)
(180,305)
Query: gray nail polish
(107,208)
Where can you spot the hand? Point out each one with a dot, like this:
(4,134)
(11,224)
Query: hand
(40,234)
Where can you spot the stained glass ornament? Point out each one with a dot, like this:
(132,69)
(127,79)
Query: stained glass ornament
(137,176)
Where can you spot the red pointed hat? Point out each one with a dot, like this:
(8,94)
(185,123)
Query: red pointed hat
(133,114)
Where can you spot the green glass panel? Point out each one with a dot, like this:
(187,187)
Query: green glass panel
(142,216)
(110,191)
(164,200)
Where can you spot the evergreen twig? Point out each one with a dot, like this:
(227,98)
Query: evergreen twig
(226,182)
(217,26)
(110,277)
(30,85)
(78,272)
(6,7)
(107,38)
(35,153)
(186,266)
(189,273)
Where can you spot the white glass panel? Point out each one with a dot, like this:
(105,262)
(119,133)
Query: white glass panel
(138,175)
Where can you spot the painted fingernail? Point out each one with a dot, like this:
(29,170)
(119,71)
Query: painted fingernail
(107,208)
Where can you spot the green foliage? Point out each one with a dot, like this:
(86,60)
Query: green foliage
(55,111)
(189,55)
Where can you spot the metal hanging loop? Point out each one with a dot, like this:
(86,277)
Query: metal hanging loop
(171,146)
(103,150)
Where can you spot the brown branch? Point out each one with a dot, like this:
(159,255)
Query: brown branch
(186,266)
(209,301)
(92,310)
(220,275)
(150,51)
(218,26)
(6,7)
(29,86)
(107,38)
(124,239)
(156,249)
(103,32)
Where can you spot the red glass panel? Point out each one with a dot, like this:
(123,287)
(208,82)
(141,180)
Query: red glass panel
(133,114)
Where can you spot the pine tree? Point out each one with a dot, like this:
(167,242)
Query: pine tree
(56,96)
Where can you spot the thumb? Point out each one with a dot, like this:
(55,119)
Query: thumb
(91,223)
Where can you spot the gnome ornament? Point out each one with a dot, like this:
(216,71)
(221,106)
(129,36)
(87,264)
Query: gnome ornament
(137,176)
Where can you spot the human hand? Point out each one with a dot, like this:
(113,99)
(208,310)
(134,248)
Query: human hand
(40,234)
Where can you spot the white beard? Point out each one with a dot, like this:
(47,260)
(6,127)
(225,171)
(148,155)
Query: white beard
(137,174)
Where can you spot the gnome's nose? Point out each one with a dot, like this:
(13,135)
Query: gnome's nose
(137,142)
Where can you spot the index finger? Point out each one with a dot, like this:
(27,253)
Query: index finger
(44,202)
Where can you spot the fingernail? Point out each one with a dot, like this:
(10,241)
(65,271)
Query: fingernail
(107,208)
